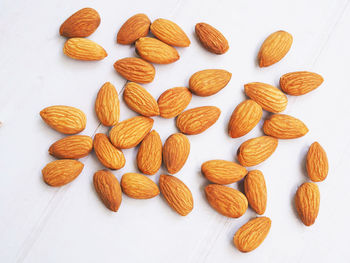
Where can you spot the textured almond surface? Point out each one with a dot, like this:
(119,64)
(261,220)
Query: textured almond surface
(317,163)
(135,69)
(175,152)
(307,202)
(149,156)
(283,126)
(173,101)
(300,82)
(83,49)
(138,186)
(211,38)
(255,191)
(107,105)
(135,27)
(71,147)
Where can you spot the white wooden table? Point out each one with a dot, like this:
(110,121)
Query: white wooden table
(39,223)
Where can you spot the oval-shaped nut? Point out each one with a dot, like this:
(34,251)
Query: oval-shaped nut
(244,118)
(83,49)
(256,150)
(223,172)
(307,202)
(135,27)
(81,24)
(71,147)
(211,38)
(170,33)
(130,132)
(255,191)
(140,100)
(108,155)
(274,48)
(176,193)
(197,120)
(135,69)
(175,152)
(61,172)
(149,156)
(108,189)
(300,82)
(252,234)
(227,201)
(208,82)
(283,126)
(173,101)
(107,105)
(317,163)
(268,97)
(64,119)
(139,186)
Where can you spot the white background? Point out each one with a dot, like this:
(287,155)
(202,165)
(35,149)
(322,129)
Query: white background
(39,223)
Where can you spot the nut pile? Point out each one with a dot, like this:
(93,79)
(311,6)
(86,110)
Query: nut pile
(172,103)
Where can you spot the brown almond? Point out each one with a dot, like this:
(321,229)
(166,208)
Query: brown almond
(107,105)
(135,69)
(149,156)
(255,191)
(211,38)
(83,49)
(307,202)
(71,147)
(138,186)
(283,126)
(175,152)
(300,82)
(317,163)
(135,27)
(173,101)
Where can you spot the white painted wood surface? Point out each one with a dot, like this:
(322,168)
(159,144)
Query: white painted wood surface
(39,223)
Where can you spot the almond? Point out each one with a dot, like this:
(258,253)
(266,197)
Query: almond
(71,147)
(223,172)
(140,100)
(135,27)
(244,118)
(175,152)
(274,48)
(139,186)
(252,234)
(108,189)
(149,156)
(173,101)
(208,82)
(130,132)
(283,126)
(197,120)
(64,119)
(317,163)
(170,33)
(227,201)
(268,97)
(256,150)
(135,69)
(61,172)
(83,49)
(176,193)
(108,155)
(211,38)
(107,105)
(255,191)
(307,202)
(300,82)
(81,24)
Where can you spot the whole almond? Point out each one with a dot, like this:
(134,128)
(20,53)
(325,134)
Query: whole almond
(211,38)
(83,49)
(255,191)
(300,82)
(71,147)
(176,193)
(61,172)
(223,172)
(138,186)
(283,126)
(307,202)
(149,156)
(135,27)
(317,163)
(135,69)
(173,101)
(107,105)
(64,119)
(175,152)
(208,82)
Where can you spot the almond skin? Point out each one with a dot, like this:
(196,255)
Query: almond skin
(71,147)
(317,163)
(108,189)
(176,193)
(140,100)
(223,172)
(244,118)
(135,69)
(197,120)
(268,97)
(173,101)
(175,152)
(256,150)
(255,191)
(227,201)
(252,234)
(107,105)
(149,156)
(135,27)
(283,126)
(138,186)
(300,82)
(170,33)
(211,38)
(307,202)
(208,82)
(61,172)
(129,133)
(155,51)
(108,155)
(64,119)
(81,24)
(274,48)
(83,49)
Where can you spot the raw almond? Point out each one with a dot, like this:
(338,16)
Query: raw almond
(107,105)
(211,38)
(83,49)
(307,202)
(300,82)
(317,163)
(173,101)
(283,126)
(149,156)
(135,69)
(135,27)
(175,152)
(71,147)
(138,186)
(255,191)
